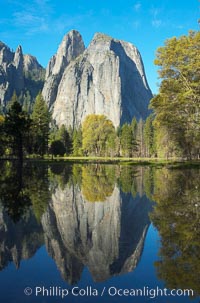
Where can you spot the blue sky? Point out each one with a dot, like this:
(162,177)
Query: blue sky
(39,25)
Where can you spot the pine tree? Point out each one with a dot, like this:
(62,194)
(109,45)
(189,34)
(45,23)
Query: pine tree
(140,139)
(2,135)
(149,136)
(65,138)
(16,127)
(40,126)
(126,140)
(77,142)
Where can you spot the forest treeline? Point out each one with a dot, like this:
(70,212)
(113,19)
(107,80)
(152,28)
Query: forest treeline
(36,134)
(171,130)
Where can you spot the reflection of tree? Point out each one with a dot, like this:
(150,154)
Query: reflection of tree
(149,181)
(23,198)
(131,180)
(177,217)
(97,182)
(59,174)
(77,174)
(21,187)
(13,194)
(38,187)
(127,180)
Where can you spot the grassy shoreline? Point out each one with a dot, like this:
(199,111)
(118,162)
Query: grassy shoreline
(173,162)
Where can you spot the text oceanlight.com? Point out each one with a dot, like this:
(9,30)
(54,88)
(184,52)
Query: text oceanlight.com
(112,291)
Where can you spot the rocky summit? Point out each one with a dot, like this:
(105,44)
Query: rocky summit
(106,78)
(18,72)
(70,48)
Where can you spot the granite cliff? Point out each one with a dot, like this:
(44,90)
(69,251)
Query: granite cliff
(18,72)
(106,78)
(70,48)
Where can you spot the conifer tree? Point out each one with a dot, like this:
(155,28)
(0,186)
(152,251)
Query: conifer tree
(77,142)
(40,126)
(16,127)
(126,140)
(149,136)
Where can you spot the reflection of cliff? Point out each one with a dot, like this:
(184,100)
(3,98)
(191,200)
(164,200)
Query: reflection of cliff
(23,198)
(18,240)
(106,237)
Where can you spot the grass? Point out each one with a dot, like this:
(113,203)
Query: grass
(170,163)
(158,162)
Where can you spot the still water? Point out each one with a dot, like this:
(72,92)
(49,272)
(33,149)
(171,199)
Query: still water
(99,233)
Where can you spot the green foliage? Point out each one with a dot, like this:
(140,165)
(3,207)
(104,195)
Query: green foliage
(177,106)
(40,126)
(16,128)
(134,127)
(77,142)
(141,152)
(126,140)
(26,101)
(66,138)
(127,180)
(23,187)
(13,195)
(165,147)
(59,175)
(176,216)
(97,182)
(2,136)
(57,148)
(149,136)
(98,134)
(37,184)
(77,174)
(149,182)
(63,135)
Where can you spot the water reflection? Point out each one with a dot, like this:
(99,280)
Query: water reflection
(13,192)
(98,215)
(177,217)
(23,196)
(106,237)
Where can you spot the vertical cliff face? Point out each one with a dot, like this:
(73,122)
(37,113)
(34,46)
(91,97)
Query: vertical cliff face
(6,57)
(18,75)
(70,48)
(107,78)
(18,72)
